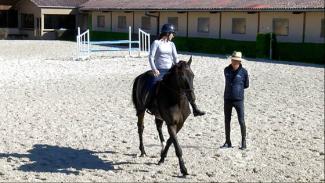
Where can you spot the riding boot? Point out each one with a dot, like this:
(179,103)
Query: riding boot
(196,111)
(227,144)
(191,98)
(243,135)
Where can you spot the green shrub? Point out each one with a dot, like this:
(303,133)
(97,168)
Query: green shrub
(263,45)
(107,36)
(215,46)
(302,52)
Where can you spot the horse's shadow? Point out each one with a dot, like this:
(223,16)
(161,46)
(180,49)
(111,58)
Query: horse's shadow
(55,159)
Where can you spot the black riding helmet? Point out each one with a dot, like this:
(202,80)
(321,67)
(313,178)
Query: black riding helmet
(168,28)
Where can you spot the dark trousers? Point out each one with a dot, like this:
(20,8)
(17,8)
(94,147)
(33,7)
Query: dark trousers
(239,106)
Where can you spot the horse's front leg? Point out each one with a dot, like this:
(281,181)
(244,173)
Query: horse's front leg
(159,124)
(172,130)
(165,151)
(140,131)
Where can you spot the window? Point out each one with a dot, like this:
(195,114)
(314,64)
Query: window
(59,21)
(121,22)
(174,21)
(100,21)
(238,25)
(203,25)
(145,23)
(27,21)
(322,31)
(8,19)
(281,26)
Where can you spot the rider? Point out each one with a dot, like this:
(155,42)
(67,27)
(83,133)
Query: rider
(163,55)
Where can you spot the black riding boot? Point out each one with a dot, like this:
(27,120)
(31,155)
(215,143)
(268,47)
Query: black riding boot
(191,99)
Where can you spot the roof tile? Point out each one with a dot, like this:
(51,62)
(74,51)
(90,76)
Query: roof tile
(200,4)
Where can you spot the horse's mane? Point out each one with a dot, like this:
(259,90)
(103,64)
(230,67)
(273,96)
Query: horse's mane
(173,70)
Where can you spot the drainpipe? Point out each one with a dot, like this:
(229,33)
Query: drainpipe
(111,21)
(133,28)
(220,24)
(187,24)
(304,28)
(258,22)
(154,16)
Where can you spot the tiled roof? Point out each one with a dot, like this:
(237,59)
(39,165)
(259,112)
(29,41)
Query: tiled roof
(201,4)
(59,3)
(8,2)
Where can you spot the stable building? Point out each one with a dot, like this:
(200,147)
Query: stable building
(39,19)
(292,21)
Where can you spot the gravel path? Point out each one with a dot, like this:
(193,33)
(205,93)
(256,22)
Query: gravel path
(67,120)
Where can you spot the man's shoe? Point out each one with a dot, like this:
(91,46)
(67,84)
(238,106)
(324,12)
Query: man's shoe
(243,145)
(226,145)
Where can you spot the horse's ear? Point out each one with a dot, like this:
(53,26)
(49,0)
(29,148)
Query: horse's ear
(190,61)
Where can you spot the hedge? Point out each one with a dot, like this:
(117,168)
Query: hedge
(302,52)
(105,36)
(215,46)
(263,45)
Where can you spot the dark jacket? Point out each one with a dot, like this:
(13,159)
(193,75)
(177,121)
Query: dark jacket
(236,82)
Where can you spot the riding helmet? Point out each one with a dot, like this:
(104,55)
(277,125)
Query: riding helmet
(168,28)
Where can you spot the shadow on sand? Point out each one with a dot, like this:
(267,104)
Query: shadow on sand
(55,159)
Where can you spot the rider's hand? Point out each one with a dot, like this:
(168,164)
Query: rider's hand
(156,73)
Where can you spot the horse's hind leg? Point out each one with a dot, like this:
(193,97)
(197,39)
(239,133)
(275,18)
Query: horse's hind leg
(140,131)
(159,124)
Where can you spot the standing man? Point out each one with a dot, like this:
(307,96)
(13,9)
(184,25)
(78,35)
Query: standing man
(236,78)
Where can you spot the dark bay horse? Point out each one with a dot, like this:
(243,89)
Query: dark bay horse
(171,104)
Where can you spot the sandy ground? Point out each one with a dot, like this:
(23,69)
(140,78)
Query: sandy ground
(66,120)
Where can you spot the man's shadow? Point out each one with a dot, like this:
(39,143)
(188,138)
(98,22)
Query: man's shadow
(55,159)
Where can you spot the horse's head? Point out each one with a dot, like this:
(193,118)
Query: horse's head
(184,74)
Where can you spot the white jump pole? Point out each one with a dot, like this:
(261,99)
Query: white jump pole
(88,43)
(78,43)
(149,44)
(145,42)
(139,39)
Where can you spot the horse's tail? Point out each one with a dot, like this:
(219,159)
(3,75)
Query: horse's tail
(134,92)
(139,92)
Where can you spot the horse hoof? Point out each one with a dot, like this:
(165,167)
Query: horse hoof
(143,155)
(184,172)
(161,162)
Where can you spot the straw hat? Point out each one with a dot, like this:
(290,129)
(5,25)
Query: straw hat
(236,55)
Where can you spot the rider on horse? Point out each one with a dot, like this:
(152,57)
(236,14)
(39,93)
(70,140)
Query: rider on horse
(162,56)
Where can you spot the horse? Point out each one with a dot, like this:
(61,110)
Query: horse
(171,106)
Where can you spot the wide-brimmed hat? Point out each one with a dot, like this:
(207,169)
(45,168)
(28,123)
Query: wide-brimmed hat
(236,55)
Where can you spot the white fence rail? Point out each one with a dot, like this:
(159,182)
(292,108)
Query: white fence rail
(144,41)
(84,44)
